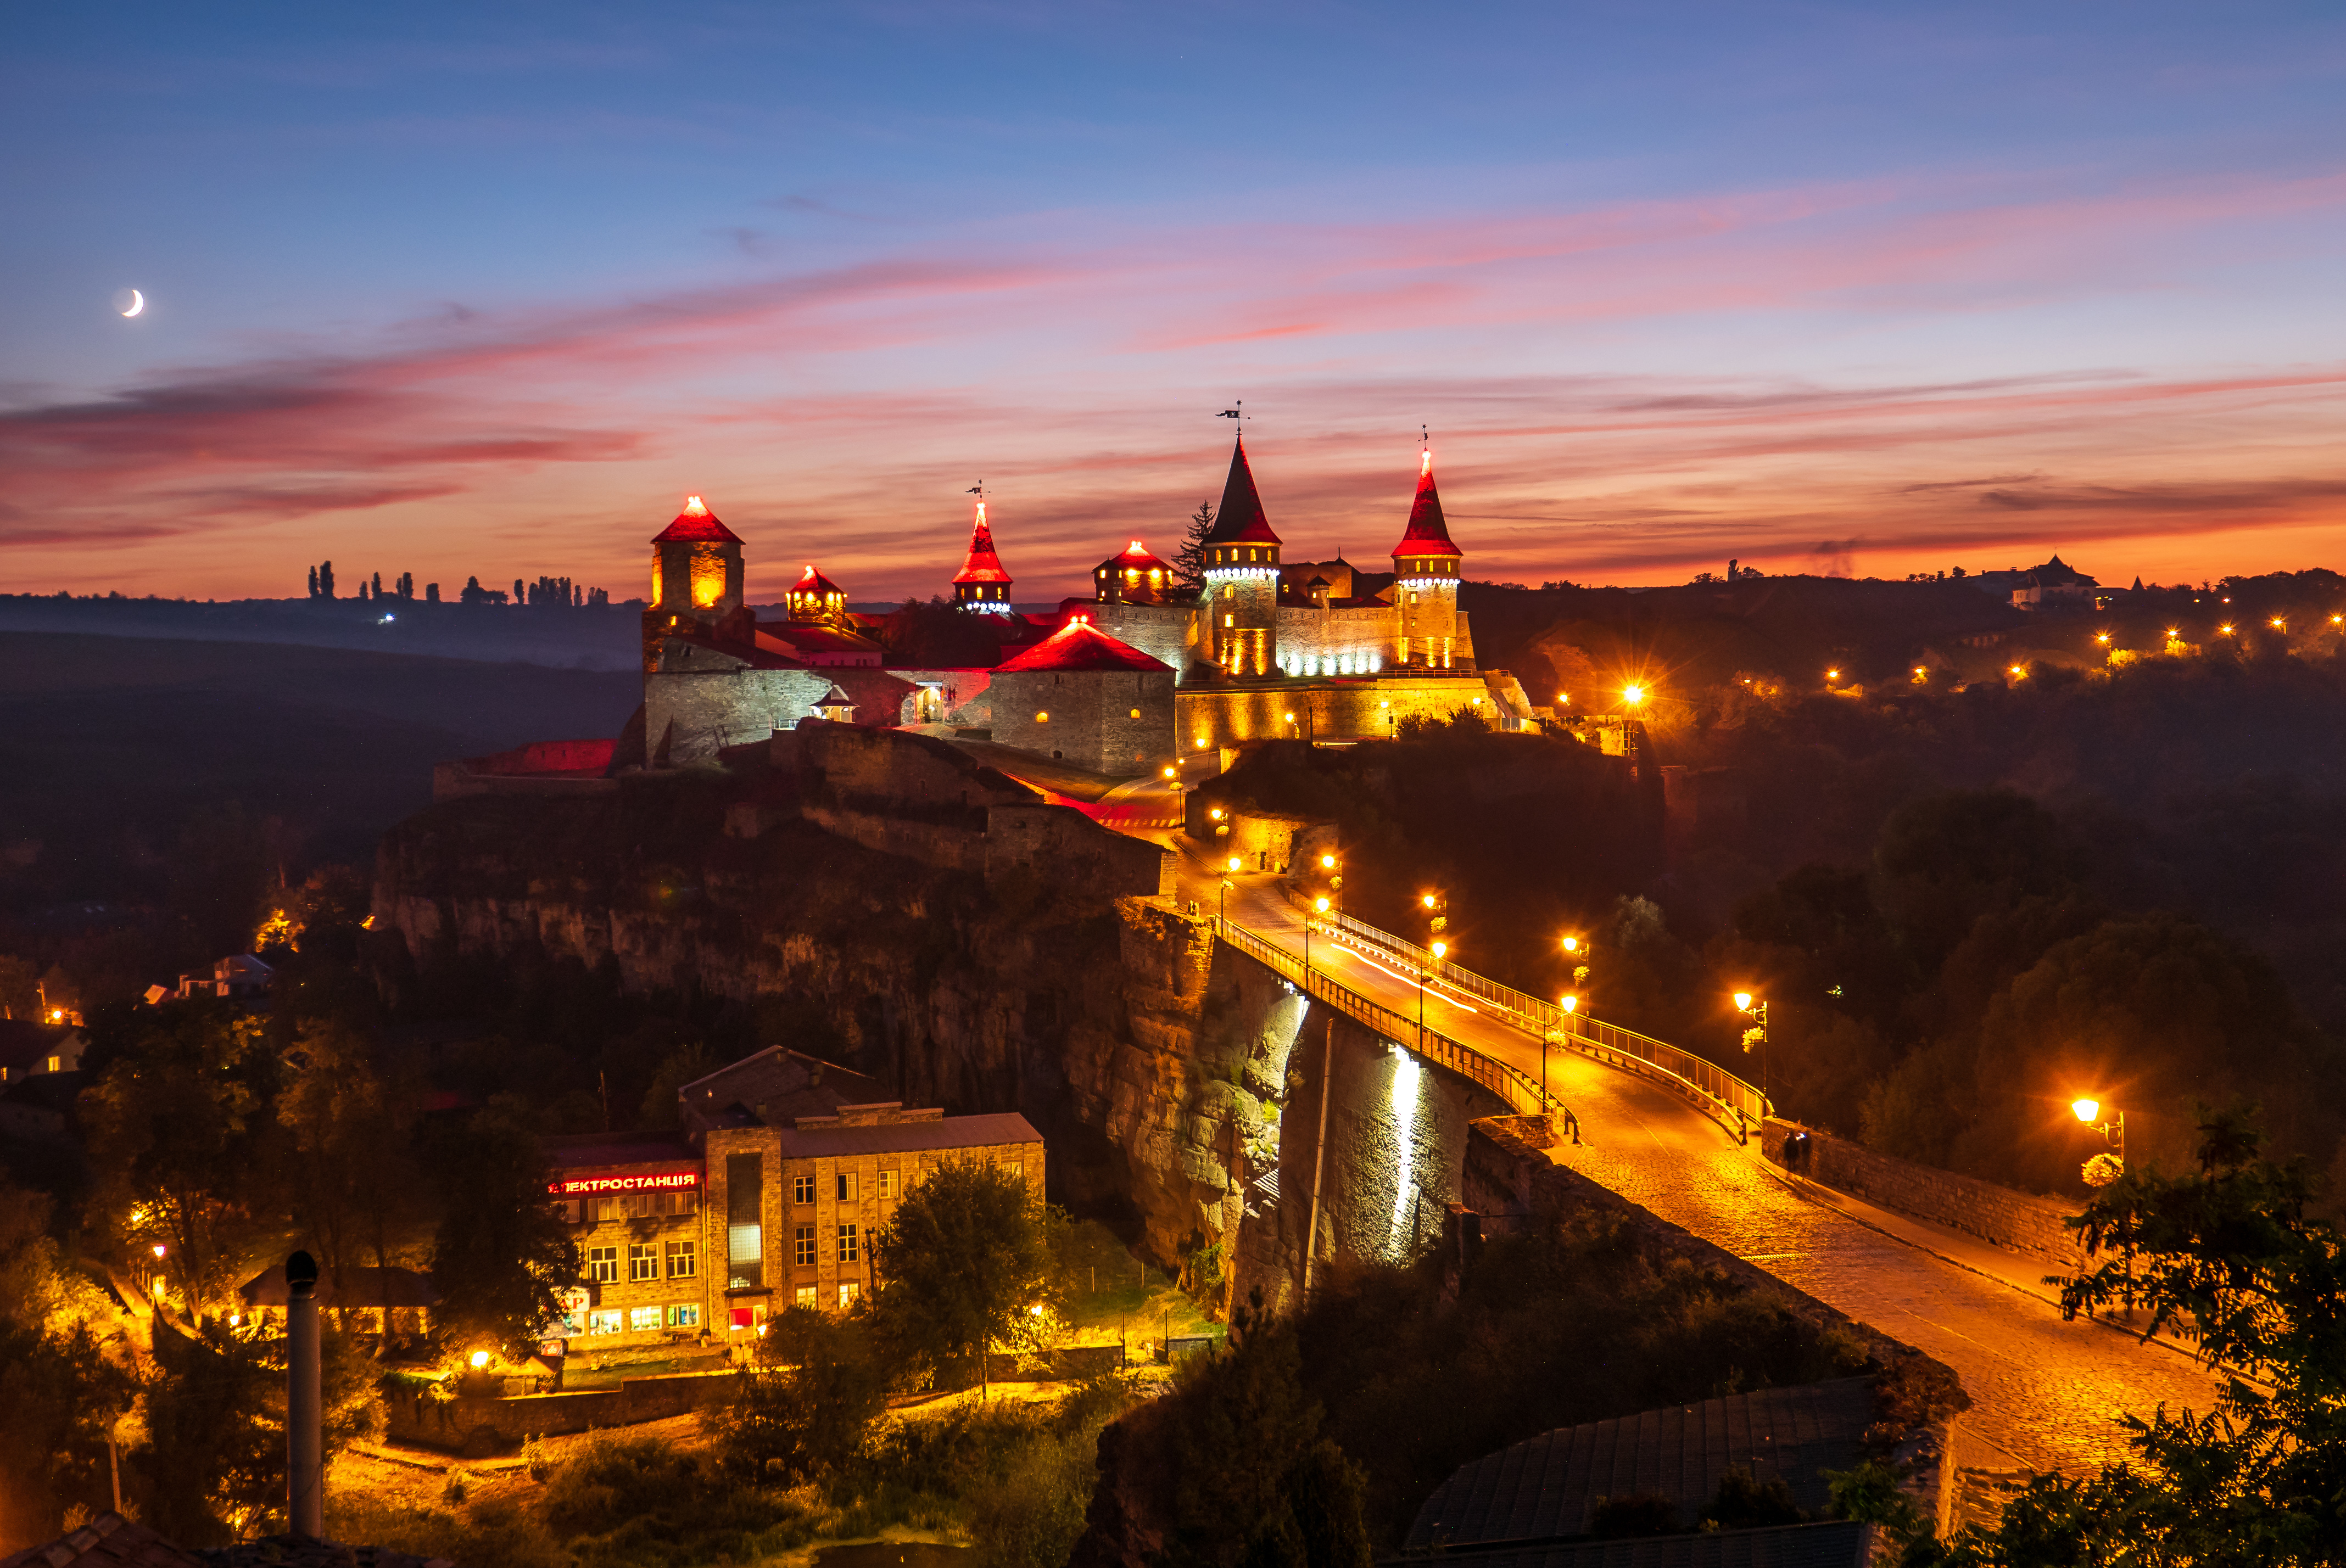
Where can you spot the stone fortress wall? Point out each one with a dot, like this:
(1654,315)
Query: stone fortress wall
(1108,721)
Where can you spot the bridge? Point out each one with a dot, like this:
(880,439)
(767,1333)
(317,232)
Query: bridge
(1675,1134)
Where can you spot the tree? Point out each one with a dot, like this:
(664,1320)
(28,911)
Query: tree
(2234,1253)
(501,1251)
(1253,1480)
(811,1416)
(1190,560)
(314,581)
(968,1252)
(325,579)
(346,1154)
(176,1134)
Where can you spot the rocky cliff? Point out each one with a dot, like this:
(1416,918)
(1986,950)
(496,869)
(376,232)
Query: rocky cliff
(1018,989)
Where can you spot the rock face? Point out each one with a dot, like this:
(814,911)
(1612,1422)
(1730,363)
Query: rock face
(976,988)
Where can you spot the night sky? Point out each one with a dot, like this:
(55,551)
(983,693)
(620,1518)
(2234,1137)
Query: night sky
(490,288)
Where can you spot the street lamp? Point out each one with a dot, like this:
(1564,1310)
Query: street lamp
(1319,906)
(1226,895)
(1570,1003)
(2112,1127)
(1757,1010)
(1633,695)
(1577,951)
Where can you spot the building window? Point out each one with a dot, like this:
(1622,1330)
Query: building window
(643,1262)
(1135,713)
(603,1265)
(1017,1170)
(683,1259)
(604,1322)
(847,1186)
(745,1236)
(1229,621)
(847,1295)
(847,1240)
(803,1190)
(887,1183)
(687,1316)
(738,1317)
(1042,718)
(805,1296)
(806,1247)
(643,1320)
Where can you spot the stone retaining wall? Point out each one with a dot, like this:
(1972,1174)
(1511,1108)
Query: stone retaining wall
(477,1425)
(2025,1224)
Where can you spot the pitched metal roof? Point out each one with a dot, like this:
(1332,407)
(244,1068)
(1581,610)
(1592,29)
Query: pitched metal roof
(1841,1543)
(1239,519)
(908,1137)
(1544,1487)
(982,565)
(1427,533)
(697,522)
(1080,646)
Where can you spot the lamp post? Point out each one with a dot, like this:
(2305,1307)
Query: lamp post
(1437,949)
(1319,906)
(1570,1004)
(2113,1130)
(1757,1010)
(1226,896)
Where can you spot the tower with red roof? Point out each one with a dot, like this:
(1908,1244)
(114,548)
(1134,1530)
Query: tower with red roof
(1425,585)
(698,576)
(1241,601)
(981,584)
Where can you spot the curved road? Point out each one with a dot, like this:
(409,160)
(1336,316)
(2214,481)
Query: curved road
(2047,1394)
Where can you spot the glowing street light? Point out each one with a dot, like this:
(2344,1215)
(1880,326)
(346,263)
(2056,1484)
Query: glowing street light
(1832,675)
(161,1249)
(2101,637)
(2279,624)
(1570,1003)
(1633,695)
(2017,672)
(1326,862)
(2225,630)
(2086,1109)
(2112,1127)
(480,1360)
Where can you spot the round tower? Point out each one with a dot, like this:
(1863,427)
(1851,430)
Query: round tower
(1429,633)
(698,577)
(1240,603)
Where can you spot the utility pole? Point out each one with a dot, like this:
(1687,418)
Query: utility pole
(1320,1146)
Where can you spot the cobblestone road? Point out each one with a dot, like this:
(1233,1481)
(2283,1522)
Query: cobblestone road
(2046,1394)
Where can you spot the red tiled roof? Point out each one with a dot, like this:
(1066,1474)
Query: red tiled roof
(1427,533)
(982,565)
(1078,645)
(814,582)
(1241,520)
(696,521)
(1133,557)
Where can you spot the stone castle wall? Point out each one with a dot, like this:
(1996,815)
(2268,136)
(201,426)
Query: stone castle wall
(1364,708)
(691,714)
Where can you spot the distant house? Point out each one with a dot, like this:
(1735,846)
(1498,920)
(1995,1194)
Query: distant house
(238,978)
(2056,585)
(28,1049)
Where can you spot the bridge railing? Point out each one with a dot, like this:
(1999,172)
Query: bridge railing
(1518,1088)
(1709,1085)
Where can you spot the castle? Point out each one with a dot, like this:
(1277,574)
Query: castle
(1141,673)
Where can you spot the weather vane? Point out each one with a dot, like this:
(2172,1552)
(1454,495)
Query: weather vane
(1233,412)
(977,490)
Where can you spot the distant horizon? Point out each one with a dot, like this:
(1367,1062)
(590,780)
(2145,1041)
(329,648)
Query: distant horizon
(1832,289)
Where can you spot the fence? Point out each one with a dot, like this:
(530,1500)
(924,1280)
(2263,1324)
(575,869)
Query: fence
(1518,1088)
(1711,1087)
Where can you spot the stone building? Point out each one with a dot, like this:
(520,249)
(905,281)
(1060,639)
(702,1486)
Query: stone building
(768,1198)
(633,1200)
(1084,696)
(796,1206)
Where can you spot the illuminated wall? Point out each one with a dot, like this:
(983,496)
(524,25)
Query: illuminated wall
(1207,719)
(1108,721)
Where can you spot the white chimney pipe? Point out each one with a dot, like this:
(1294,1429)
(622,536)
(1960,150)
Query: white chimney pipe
(305,1446)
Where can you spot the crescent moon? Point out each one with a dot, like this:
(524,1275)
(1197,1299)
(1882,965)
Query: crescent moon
(138,302)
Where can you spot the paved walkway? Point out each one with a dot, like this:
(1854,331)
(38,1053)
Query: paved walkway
(2046,1394)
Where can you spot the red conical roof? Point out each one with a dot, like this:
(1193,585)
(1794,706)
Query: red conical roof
(696,521)
(814,582)
(1239,519)
(1427,533)
(982,565)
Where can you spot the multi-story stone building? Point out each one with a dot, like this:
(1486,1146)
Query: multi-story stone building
(768,1197)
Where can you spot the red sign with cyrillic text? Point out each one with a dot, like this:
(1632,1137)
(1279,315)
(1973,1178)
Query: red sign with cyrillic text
(657,1181)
